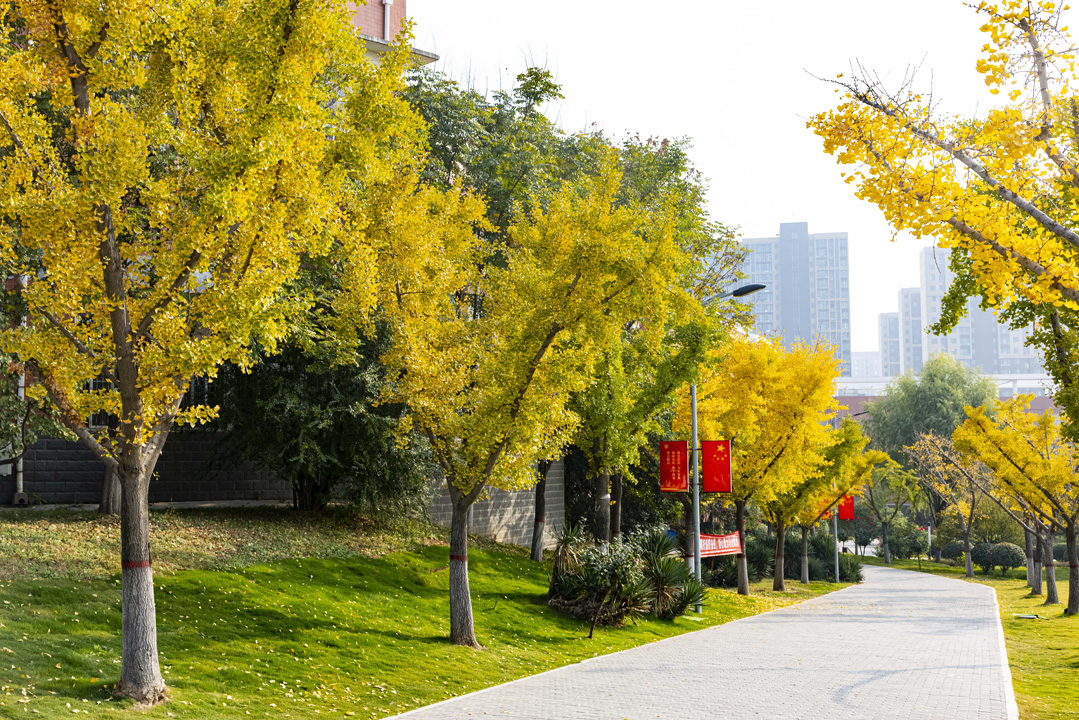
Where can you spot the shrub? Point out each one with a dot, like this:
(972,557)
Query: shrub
(1006,556)
(724,573)
(979,555)
(820,570)
(952,550)
(606,583)
(822,547)
(621,579)
(760,557)
(850,568)
(1060,552)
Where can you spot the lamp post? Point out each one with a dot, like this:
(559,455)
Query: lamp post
(695,477)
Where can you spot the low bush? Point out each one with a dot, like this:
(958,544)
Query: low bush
(760,557)
(850,569)
(980,556)
(822,547)
(624,579)
(1060,552)
(1006,556)
(952,550)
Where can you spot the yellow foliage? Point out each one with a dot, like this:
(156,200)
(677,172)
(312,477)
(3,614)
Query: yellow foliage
(774,404)
(1000,186)
(490,340)
(163,168)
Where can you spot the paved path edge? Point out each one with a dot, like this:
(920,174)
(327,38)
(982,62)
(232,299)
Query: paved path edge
(654,642)
(1005,667)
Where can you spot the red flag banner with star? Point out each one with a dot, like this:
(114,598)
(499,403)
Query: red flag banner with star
(846,508)
(673,466)
(716,466)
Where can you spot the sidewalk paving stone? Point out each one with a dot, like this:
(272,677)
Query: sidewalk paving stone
(901,645)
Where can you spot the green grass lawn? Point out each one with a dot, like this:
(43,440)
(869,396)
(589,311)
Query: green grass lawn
(296,637)
(1043,654)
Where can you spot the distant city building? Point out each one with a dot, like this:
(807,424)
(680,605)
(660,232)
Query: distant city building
(808,287)
(911,330)
(891,346)
(979,340)
(865,364)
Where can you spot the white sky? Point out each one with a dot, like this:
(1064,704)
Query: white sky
(731,76)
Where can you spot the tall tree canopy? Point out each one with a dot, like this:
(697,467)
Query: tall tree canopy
(932,401)
(774,405)
(1002,186)
(163,169)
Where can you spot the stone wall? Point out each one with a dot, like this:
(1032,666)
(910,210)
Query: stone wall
(508,516)
(57,471)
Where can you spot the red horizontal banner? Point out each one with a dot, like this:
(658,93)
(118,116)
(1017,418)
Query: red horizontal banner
(716,466)
(716,545)
(673,466)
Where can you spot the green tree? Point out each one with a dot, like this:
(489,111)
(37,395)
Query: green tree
(640,374)
(316,420)
(931,402)
(886,491)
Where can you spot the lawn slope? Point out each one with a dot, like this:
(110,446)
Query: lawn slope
(298,637)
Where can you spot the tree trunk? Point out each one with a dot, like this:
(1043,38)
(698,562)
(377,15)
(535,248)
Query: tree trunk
(805,555)
(616,505)
(140,673)
(1036,585)
(884,543)
(1073,571)
(462,631)
(110,493)
(602,491)
(936,545)
(966,554)
(777,576)
(1051,597)
(1030,557)
(743,569)
(542,469)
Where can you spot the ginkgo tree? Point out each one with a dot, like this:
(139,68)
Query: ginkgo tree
(491,337)
(1031,459)
(772,403)
(638,377)
(957,479)
(999,188)
(836,466)
(163,169)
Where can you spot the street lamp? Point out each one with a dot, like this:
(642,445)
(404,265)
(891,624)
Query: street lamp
(737,292)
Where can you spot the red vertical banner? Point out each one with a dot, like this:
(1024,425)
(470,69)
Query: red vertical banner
(846,508)
(673,466)
(716,466)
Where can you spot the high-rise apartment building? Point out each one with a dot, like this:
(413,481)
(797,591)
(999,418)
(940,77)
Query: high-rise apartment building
(891,345)
(978,340)
(808,287)
(911,330)
(865,364)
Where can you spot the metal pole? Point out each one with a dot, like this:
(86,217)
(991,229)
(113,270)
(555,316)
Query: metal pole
(835,525)
(696,493)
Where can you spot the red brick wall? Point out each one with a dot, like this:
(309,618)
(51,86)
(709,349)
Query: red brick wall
(369,18)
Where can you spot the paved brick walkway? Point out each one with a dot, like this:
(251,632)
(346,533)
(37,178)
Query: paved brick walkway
(901,645)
